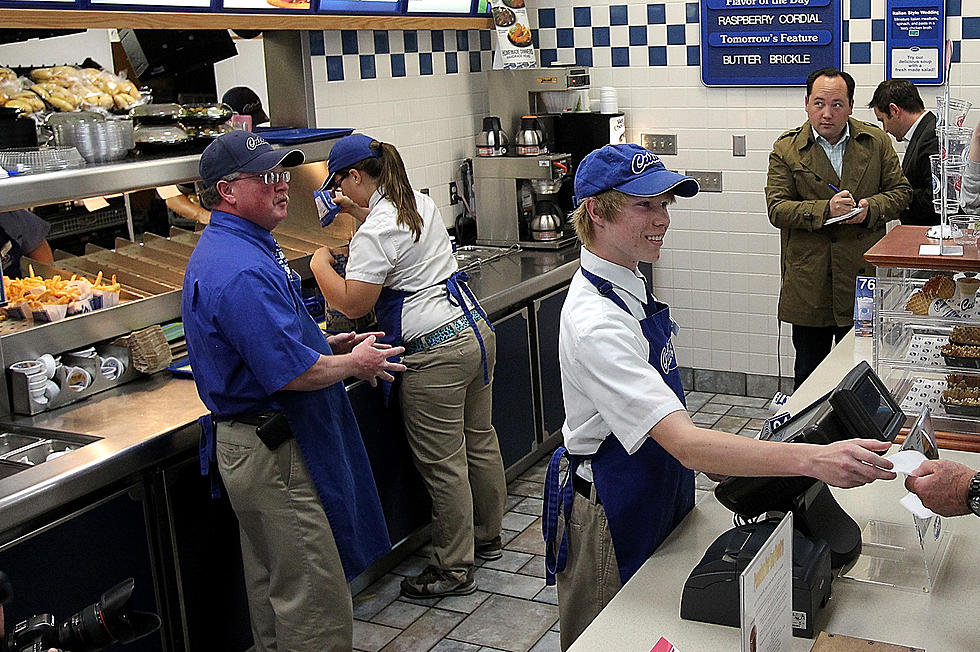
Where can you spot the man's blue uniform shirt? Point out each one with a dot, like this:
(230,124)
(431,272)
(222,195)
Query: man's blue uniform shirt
(242,320)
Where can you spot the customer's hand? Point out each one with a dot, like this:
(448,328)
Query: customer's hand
(862,216)
(850,463)
(942,486)
(371,360)
(841,203)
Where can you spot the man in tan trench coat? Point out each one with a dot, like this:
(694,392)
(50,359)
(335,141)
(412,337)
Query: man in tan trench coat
(826,168)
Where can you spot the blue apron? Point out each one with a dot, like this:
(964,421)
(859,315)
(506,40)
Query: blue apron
(646,494)
(389,311)
(329,439)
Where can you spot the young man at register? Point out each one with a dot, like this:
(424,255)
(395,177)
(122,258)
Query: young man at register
(631,446)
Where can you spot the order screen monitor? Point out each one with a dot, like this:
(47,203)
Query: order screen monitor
(859,407)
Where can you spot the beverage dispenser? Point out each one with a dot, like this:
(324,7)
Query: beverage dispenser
(516,201)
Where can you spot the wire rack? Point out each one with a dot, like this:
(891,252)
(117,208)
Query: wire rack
(75,223)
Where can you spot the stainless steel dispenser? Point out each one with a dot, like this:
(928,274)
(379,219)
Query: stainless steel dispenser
(508,191)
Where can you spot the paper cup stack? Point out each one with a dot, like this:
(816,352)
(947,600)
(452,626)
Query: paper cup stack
(608,100)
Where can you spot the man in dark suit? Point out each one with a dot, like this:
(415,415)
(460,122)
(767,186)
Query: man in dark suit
(900,111)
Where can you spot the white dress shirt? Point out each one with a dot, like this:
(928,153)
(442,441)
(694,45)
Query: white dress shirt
(607,381)
(915,125)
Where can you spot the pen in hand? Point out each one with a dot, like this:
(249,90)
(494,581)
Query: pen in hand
(833,187)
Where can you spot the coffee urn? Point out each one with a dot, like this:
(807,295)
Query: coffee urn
(515,201)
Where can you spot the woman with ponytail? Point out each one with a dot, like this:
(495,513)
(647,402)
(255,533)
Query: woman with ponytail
(401,264)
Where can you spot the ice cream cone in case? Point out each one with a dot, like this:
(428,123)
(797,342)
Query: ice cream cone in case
(918,304)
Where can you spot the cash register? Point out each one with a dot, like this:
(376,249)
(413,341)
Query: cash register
(826,536)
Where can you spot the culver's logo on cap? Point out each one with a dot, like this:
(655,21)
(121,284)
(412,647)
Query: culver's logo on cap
(254,142)
(644,160)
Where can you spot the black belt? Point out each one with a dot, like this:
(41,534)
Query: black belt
(249,419)
(584,488)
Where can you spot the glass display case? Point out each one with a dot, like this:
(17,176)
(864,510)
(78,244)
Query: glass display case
(926,319)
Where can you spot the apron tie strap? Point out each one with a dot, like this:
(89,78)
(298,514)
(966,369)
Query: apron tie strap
(208,453)
(456,286)
(558,496)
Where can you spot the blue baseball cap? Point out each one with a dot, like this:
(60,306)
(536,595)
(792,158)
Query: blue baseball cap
(348,151)
(630,169)
(243,151)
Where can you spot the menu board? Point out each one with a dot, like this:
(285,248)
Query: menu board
(285,6)
(155,4)
(27,4)
(768,42)
(915,33)
(355,6)
(439,6)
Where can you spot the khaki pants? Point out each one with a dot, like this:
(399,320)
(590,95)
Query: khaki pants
(299,599)
(591,576)
(447,409)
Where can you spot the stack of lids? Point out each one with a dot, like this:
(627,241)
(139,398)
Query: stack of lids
(148,349)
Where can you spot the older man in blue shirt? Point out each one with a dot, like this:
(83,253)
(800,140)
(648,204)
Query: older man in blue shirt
(281,432)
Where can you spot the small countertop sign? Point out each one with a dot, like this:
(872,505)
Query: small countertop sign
(663,645)
(766,592)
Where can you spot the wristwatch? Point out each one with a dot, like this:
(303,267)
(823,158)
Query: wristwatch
(973,495)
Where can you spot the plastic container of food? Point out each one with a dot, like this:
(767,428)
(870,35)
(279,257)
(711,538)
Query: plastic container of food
(205,114)
(159,138)
(155,114)
(206,132)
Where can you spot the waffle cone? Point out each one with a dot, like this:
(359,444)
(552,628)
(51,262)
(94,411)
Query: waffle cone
(918,303)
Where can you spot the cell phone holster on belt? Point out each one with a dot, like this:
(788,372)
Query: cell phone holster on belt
(274,431)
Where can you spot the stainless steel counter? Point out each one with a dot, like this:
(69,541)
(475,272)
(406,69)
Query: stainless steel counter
(145,421)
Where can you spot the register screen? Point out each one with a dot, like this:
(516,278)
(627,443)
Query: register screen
(874,404)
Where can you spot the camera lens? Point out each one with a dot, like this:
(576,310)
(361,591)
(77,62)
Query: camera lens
(86,630)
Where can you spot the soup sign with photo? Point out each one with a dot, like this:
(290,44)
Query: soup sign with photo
(514,47)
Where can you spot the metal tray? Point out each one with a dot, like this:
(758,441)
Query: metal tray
(7,469)
(38,453)
(961,410)
(957,361)
(11,442)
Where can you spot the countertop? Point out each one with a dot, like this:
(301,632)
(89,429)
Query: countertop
(900,248)
(147,420)
(649,605)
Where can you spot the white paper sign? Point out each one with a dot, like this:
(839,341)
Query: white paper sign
(915,63)
(514,47)
(766,593)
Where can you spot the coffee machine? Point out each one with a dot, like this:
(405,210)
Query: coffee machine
(516,201)
(530,201)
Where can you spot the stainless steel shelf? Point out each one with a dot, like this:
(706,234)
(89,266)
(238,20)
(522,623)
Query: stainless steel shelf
(108,179)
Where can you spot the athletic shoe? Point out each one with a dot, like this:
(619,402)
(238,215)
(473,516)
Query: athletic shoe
(437,583)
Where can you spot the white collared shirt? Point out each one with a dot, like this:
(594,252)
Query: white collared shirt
(915,125)
(608,384)
(384,253)
(835,152)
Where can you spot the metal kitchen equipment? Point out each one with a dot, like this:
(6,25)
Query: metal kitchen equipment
(493,140)
(530,140)
(507,191)
(515,93)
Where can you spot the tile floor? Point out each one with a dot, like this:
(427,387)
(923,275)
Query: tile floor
(513,609)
